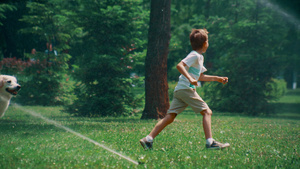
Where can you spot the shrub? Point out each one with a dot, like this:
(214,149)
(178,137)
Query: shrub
(43,82)
(108,56)
(13,66)
(104,89)
(249,83)
(41,78)
(233,99)
(277,88)
(40,84)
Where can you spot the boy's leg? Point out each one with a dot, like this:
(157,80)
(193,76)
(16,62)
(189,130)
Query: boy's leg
(207,123)
(168,119)
(210,142)
(147,142)
(198,105)
(176,107)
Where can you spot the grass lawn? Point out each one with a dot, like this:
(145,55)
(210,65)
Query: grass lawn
(256,142)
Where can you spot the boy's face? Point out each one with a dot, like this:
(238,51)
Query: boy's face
(205,46)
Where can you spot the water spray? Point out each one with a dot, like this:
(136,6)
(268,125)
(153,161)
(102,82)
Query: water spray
(74,132)
(280,11)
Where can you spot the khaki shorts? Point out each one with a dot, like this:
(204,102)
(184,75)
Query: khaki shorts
(187,97)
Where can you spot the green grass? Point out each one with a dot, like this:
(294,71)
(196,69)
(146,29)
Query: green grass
(289,105)
(256,142)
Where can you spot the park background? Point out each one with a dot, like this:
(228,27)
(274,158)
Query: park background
(82,63)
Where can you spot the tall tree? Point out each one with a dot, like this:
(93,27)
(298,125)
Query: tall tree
(156,84)
(106,56)
(49,24)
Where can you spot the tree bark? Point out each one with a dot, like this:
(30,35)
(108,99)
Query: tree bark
(156,84)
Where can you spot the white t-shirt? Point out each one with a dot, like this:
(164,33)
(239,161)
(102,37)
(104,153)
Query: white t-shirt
(194,62)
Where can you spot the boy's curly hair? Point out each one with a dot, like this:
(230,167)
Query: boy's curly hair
(198,37)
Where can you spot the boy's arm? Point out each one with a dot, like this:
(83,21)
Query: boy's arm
(181,69)
(204,77)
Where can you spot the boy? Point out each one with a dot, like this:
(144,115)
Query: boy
(191,69)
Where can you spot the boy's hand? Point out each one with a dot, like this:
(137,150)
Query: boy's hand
(223,80)
(193,82)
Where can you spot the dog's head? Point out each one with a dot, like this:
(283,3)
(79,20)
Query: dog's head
(9,85)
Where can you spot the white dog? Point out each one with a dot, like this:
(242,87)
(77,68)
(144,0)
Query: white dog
(8,88)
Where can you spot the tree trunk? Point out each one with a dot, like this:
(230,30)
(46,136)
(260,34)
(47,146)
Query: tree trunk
(156,84)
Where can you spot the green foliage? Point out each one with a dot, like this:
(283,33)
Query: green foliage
(13,66)
(110,34)
(50,22)
(41,82)
(109,54)
(40,90)
(247,43)
(277,89)
(239,96)
(101,93)
(249,69)
(66,94)
(5,7)
(243,93)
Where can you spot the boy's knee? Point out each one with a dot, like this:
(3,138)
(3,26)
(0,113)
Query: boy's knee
(170,117)
(206,112)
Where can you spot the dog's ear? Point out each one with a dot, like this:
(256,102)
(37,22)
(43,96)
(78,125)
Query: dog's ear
(1,82)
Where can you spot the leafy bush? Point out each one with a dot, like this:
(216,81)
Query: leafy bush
(41,83)
(231,98)
(104,89)
(277,89)
(13,66)
(111,51)
(66,94)
(250,69)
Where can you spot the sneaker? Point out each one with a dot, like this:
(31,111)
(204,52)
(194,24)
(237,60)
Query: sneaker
(146,144)
(216,145)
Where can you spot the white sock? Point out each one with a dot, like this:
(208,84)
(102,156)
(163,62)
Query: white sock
(149,138)
(209,141)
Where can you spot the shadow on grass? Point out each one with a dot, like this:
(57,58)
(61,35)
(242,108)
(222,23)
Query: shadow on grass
(293,93)
(135,119)
(26,128)
(61,116)
(287,110)
(12,127)
(281,111)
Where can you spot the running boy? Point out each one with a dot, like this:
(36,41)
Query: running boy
(191,69)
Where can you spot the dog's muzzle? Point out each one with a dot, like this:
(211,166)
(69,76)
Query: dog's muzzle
(13,91)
